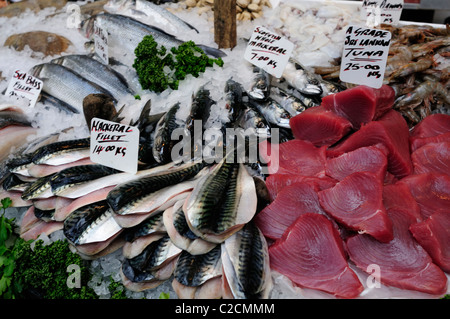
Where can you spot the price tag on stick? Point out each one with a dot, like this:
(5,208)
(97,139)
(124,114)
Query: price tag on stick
(24,85)
(114,145)
(101,43)
(364,56)
(268,51)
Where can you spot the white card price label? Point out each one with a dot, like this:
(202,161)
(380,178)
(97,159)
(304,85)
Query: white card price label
(364,56)
(114,145)
(376,12)
(268,51)
(101,43)
(24,85)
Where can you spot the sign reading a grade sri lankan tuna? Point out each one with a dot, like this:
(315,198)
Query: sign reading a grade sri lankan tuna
(114,145)
(268,51)
(24,85)
(364,56)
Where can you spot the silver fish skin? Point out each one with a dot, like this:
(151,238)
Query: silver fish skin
(151,225)
(245,259)
(96,72)
(272,111)
(260,89)
(91,223)
(163,16)
(66,85)
(288,101)
(301,79)
(127,33)
(252,119)
(41,188)
(195,270)
(13,118)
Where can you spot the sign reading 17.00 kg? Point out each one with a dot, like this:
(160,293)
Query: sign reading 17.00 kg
(268,51)
(364,56)
(114,145)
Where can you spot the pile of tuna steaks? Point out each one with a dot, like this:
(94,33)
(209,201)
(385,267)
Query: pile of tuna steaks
(356,185)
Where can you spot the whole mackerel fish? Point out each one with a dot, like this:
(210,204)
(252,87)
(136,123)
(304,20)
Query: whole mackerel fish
(66,85)
(125,33)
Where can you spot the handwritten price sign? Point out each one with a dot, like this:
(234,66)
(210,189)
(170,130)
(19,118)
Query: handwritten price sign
(364,56)
(268,51)
(377,12)
(24,85)
(114,145)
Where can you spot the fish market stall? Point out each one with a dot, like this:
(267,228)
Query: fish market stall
(240,184)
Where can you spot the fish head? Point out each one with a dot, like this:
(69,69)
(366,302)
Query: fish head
(36,70)
(311,89)
(87,27)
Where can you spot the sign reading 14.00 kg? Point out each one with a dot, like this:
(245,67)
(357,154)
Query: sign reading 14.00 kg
(114,145)
(268,51)
(364,56)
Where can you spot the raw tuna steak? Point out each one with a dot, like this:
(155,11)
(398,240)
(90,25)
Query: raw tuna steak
(319,126)
(433,235)
(433,128)
(403,262)
(294,157)
(371,159)
(357,203)
(392,131)
(398,195)
(291,202)
(432,158)
(431,192)
(360,104)
(276,182)
(311,254)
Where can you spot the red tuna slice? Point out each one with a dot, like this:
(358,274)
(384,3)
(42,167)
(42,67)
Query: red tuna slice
(398,195)
(356,202)
(392,131)
(431,192)
(403,262)
(433,128)
(433,235)
(276,182)
(360,104)
(311,254)
(291,202)
(417,143)
(432,125)
(294,157)
(319,126)
(432,158)
(364,159)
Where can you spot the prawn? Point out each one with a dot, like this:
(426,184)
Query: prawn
(412,67)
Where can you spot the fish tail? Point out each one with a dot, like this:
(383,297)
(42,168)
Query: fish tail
(217,53)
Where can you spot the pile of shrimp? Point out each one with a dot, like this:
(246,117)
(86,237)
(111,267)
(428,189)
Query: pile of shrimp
(418,69)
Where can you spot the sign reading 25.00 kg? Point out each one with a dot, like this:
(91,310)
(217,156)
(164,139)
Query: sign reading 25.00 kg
(364,56)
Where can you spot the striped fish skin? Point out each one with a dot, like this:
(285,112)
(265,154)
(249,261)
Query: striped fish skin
(125,196)
(154,256)
(13,183)
(79,174)
(245,259)
(221,202)
(39,189)
(181,225)
(195,270)
(53,150)
(162,142)
(80,226)
(151,225)
(45,215)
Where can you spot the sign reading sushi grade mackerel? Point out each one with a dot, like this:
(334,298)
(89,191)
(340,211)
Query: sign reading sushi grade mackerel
(114,145)
(364,56)
(268,51)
